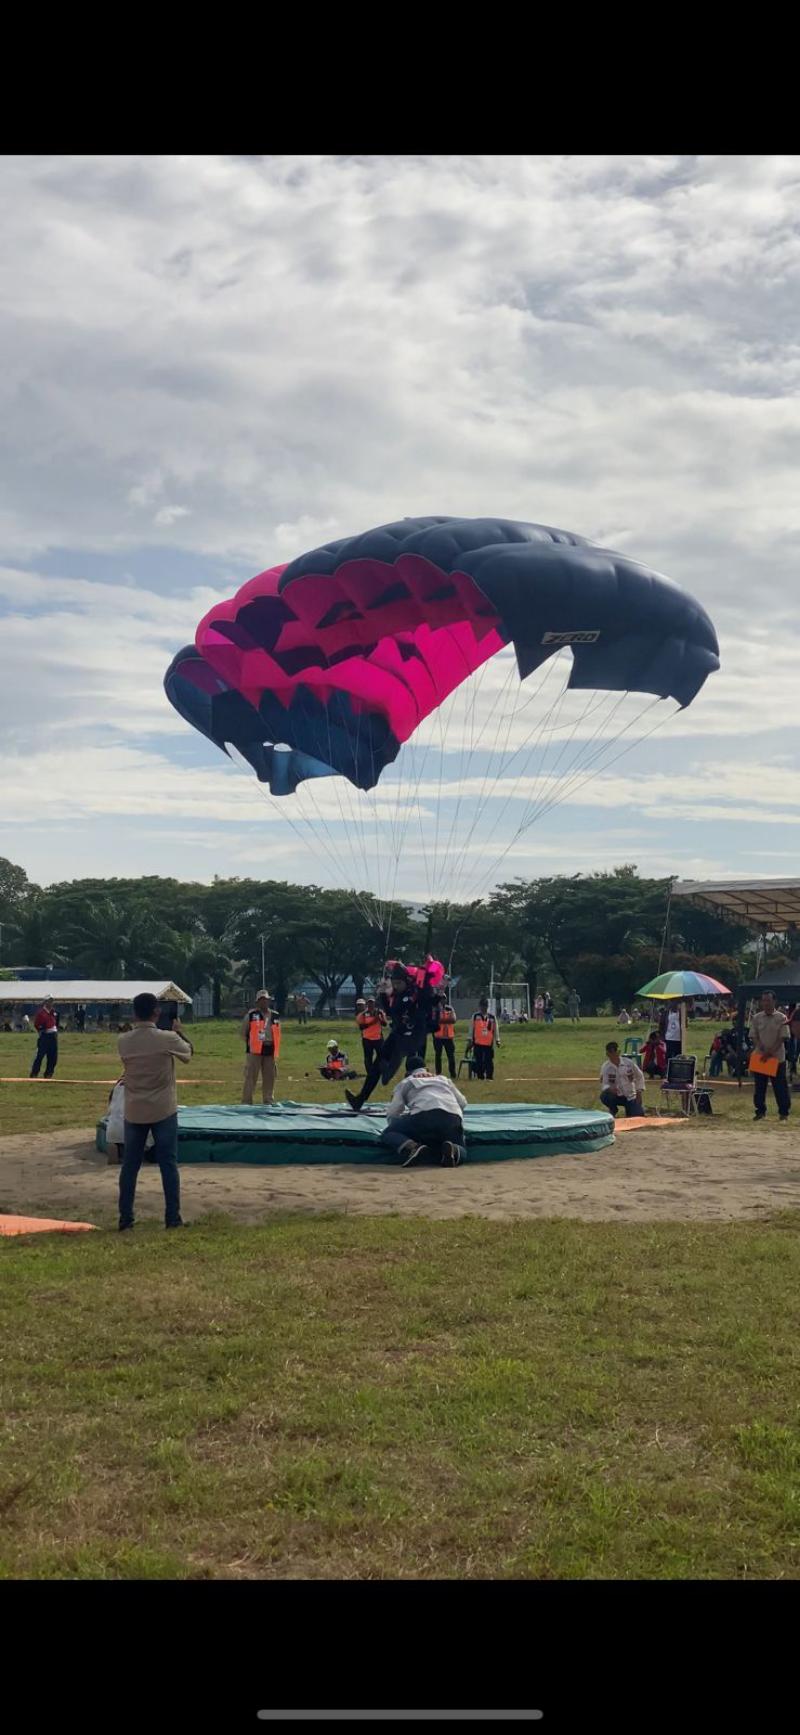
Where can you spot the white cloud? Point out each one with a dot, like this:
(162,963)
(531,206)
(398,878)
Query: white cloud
(234,360)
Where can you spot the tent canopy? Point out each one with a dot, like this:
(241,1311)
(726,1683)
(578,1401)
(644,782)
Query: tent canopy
(773,905)
(82,993)
(783,979)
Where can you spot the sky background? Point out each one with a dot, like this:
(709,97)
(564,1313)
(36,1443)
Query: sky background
(211,364)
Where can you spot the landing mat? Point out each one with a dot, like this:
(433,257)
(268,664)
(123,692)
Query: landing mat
(293,1132)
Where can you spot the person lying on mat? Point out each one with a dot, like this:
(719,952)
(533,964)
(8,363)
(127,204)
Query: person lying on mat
(425,1119)
(621,1082)
(337,1064)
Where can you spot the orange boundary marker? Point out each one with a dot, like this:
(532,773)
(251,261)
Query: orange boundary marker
(36,1225)
(638,1123)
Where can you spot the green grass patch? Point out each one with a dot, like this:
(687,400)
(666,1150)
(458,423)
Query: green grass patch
(378,1398)
(536,1063)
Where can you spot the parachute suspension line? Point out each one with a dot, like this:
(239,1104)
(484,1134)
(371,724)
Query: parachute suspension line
(529,748)
(578,778)
(594,702)
(467,741)
(665,929)
(359,812)
(467,746)
(591,768)
(444,718)
(489,775)
(337,865)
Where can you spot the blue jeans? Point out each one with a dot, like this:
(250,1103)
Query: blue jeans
(47,1051)
(165,1152)
(432,1127)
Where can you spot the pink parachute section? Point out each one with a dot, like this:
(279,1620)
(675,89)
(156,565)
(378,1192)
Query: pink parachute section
(398,639)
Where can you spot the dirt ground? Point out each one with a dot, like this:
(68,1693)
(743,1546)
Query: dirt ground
(686,1173)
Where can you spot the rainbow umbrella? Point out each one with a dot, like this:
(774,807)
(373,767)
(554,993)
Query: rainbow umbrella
(683,985)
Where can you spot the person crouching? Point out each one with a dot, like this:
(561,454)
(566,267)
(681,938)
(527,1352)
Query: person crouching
(425,1119)
(622,1083)
(336,1064)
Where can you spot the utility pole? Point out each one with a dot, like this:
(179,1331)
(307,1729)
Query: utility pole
(263,971)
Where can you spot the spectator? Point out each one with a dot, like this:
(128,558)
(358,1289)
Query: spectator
(26,1023)
(670,1029)
(444,1032)
(538,1008)
(484,1039)
(80,1018)
(715,1058)
(425,1119)
(654,1056)
(261,1033)
(624,1017)
(151,1106)
(302,1007)
(547,1004)
(45,1024)
(768,1032)
(621,1083)
(574,1005)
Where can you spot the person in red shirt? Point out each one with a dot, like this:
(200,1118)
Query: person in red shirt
(654,1056)
(46,1026)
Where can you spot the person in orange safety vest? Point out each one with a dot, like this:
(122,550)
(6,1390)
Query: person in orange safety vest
(337,1064)
(371,1022)
(261,1032)
(444,1032)
(484,1039)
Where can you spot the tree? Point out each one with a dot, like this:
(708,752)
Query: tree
(15,890)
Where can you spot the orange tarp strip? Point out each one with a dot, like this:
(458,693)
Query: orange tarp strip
(636,1123)
(33,1225)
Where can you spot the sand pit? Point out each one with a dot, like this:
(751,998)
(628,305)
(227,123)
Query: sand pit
(689,1173)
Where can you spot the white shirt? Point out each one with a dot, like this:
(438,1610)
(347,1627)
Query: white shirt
(623,1076)
(673,1027)
(421,1091)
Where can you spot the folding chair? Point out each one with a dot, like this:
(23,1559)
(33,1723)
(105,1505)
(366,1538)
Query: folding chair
(681,1081)
(467,1060)
(632,1045)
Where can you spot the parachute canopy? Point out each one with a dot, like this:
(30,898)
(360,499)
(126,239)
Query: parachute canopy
(328,665)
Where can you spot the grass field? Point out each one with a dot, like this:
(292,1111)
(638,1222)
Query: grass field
(542,1063)
(372,1397)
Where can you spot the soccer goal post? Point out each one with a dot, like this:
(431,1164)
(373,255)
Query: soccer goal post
(512,998)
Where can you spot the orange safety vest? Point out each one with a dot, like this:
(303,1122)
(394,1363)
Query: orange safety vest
(446,1025)
(335,1063)
(483,1031)
(370,1026)
(263,1030)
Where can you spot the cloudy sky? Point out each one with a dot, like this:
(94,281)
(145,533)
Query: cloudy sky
(210,364)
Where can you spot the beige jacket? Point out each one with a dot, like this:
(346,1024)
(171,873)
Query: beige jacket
(149,1057)
(768,1032)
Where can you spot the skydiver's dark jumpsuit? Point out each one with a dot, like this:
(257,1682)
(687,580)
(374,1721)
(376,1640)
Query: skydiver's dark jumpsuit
(409,1015)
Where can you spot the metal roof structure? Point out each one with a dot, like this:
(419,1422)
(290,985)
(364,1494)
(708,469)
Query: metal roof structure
(769,906)
(84,993)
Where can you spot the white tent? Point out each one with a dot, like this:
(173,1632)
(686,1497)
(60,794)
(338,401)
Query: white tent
(89,993)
